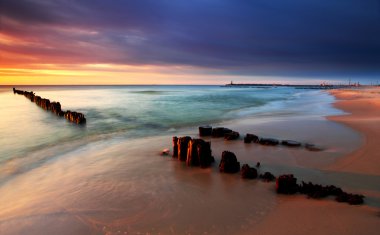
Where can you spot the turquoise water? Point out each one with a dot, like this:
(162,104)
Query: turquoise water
(107,177)
(129,112)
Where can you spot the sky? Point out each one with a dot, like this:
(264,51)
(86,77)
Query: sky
(189,42)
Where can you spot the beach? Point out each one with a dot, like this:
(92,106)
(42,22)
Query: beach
(124,186)
(363,104)
(189,117)
(300,216)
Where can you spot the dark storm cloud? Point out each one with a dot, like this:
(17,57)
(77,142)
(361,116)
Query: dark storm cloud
(29,12)
(242,37)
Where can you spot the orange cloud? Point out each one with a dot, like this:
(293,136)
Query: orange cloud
(88,74)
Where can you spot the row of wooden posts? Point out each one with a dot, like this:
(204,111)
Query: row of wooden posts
(54,107)
(197,152)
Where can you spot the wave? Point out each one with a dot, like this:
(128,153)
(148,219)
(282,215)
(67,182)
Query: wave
(119,113)
(150,92)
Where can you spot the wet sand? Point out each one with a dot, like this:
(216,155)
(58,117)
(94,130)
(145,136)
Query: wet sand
(364,106)
(297,215)
(128,188)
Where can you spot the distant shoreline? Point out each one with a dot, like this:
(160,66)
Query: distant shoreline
(253,85)
(297,86)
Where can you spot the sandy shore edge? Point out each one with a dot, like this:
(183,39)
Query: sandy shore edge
(363,106)
(297,215)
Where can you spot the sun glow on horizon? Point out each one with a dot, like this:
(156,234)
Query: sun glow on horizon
(100,74)
(118,74)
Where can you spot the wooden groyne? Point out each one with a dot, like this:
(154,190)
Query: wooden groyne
(54,107)
(197,152)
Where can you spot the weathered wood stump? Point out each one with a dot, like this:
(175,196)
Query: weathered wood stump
(251,138)
(233,135)
(192,158)
(352,199)
(248,172)
(220,131)
(268,141)
(183,143)
(229,163)
(29,95)
(318,191)
(37,100)
(205,154)
(199,153)
(286,184)
(75,117)
(45,104)
(175,147)
(267,176)
(55,107)
(205,130)
(196,152)
(291,143)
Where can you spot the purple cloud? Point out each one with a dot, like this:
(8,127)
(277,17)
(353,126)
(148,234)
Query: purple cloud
(240,37)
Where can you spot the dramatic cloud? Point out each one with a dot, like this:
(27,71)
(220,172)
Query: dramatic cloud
(280,38)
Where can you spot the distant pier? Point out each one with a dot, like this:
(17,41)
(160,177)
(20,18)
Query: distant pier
(54,107)
(274,85)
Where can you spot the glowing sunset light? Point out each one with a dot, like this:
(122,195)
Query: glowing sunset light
(167,42)
(100,74)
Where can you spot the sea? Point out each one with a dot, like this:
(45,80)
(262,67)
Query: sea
(130,112)
(106,177)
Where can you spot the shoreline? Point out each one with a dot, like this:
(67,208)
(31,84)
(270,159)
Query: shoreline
(326,216)
(308,215)
(363,106)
